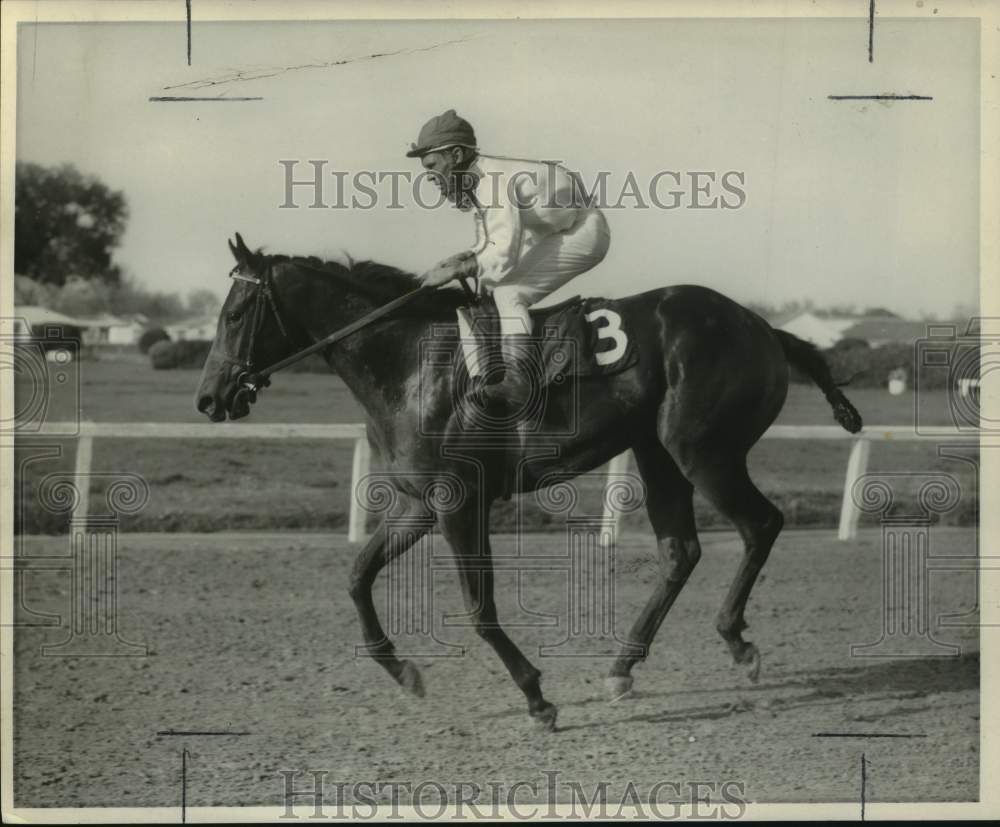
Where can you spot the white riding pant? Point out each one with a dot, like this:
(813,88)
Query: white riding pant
(546,266)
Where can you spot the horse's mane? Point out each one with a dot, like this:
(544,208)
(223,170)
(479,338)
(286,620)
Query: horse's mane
(379,283)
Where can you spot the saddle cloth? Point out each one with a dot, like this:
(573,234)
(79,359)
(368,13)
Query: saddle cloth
(578,337)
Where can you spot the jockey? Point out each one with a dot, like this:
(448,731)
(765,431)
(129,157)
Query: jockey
(534,232)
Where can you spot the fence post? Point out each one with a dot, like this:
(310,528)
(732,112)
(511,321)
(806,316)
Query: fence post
(857,465)
(356,526)
(81,478)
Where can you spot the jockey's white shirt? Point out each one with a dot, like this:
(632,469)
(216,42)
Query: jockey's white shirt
(534,232)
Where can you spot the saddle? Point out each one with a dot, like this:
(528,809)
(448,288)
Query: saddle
(577,337)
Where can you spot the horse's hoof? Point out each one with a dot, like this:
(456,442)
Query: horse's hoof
(750,661)
(618,687)
(411,680)
(545,718)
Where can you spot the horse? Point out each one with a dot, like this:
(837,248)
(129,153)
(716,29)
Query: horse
(711,378)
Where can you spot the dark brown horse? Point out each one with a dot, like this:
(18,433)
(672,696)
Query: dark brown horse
(711,378)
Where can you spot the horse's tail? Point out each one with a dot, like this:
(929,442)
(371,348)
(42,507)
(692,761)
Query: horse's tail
(807,358)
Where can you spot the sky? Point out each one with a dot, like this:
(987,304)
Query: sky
(847,202)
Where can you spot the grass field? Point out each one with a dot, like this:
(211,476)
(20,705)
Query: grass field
(197,485)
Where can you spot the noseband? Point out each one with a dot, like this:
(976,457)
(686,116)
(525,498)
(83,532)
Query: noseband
(263,300)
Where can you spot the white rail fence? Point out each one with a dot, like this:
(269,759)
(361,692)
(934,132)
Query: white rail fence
(89,431)
(857,463)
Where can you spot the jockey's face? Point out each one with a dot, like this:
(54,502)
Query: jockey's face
(446,167)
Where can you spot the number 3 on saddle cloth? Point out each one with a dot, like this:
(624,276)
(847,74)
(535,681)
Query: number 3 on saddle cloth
(576,338)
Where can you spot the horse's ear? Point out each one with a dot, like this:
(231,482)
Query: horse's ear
(241,246)
(235,251)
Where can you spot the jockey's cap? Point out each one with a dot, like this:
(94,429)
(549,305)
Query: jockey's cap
(442,131)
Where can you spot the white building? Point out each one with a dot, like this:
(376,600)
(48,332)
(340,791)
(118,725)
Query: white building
(199,329)
(112,330)
(33,321)
(822,332)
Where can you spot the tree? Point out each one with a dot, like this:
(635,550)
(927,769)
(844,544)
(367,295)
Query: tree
(840,310)
(964,311)
(880,313)
(83,297)
(130,297)
(203,302)
(65,224)
(765,311)
(162,355)
(30,292)
(151,337)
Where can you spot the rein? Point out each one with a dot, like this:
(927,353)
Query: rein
(251,381)
(254,381)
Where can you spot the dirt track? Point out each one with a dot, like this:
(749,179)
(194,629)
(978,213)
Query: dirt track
(256,634)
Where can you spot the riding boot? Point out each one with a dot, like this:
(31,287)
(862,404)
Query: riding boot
(522,371)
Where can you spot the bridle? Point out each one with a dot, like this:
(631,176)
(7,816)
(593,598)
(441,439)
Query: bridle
(263,300)
(250,380)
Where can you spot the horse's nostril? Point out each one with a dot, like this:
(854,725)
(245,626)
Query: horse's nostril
(205,404)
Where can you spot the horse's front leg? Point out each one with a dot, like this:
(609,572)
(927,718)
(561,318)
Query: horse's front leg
(394,536)
(467,531)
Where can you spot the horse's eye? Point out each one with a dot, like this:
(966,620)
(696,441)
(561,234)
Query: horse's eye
(235,316)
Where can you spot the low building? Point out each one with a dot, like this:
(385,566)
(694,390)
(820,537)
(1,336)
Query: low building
(199,329)
(877,331)
(35,322)
(890,330)
(821,331)
(113,330)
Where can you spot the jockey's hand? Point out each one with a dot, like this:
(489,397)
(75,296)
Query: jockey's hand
(461,265)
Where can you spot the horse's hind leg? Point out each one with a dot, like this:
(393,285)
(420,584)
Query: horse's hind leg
(670,507)
(467,531)
(727,485)
(384,547)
